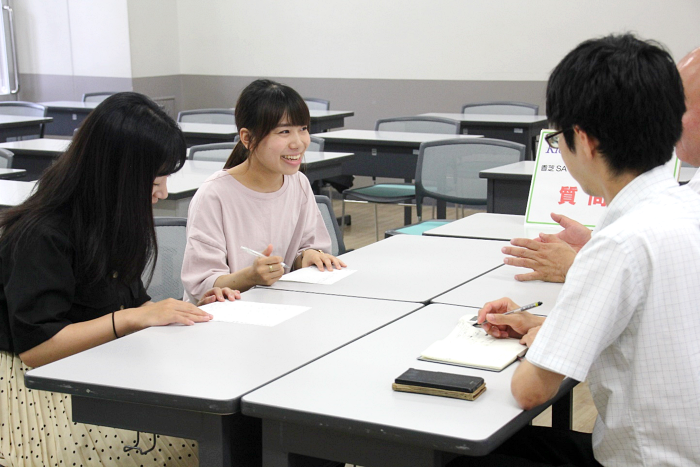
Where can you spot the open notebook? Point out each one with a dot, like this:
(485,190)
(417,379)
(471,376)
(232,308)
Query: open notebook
(468,345)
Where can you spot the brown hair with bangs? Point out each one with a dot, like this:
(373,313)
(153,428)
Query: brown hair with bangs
(260,108)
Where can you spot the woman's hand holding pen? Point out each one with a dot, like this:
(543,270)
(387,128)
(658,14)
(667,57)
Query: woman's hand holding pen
(521,325)
(266,270)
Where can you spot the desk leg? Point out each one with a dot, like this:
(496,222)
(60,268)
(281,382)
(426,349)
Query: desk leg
(291,445)
(562,412)
(407,215)
(224,440)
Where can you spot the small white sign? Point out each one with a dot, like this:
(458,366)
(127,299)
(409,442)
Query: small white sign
(553,189)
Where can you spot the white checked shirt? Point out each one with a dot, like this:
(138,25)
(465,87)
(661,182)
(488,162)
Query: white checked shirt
(628,318)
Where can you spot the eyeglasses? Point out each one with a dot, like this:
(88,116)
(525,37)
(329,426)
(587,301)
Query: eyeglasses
(553,138)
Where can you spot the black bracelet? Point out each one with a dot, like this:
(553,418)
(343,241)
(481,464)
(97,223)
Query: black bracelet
(114,327)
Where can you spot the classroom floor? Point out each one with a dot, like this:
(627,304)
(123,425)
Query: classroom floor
(362,233)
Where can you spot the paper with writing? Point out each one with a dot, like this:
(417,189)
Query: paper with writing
(470,346)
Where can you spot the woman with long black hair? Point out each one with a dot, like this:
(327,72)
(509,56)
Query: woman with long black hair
(71,260)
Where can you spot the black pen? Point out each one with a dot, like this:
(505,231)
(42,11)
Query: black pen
(523,308)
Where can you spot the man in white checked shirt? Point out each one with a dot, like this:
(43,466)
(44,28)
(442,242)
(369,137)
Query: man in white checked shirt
(626,318)
(551,255)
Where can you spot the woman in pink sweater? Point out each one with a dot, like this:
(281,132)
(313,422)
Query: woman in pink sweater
(260,201)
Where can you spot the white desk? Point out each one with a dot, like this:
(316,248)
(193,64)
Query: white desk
(183,184)
(12,126)
(508,187)
(409,268)
(187,381)
(322,165)
(7,174)
(341,407)
(14,192)
(500,283)
(36,155)
(490,226)
(205,133)
(381,153)
(325,120)
(521,129)
(67,116)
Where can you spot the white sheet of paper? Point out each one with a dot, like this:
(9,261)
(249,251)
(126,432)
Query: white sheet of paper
(259,314)
(312,275)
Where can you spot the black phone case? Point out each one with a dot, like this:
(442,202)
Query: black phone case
(440,380)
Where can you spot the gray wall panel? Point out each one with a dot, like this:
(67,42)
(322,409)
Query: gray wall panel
(370,99)
(41,88)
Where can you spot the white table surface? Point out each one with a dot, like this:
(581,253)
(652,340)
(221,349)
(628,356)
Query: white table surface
(409,267)
(350,390)
(490,226)
(500,283)
(209,366)
(186,181)
(320,114)
(69,105)
(208,128)
(11,172)
(489,118)
(315,157)
(51,146)
(14,192)
(389,136)
(524,168)
(19,120)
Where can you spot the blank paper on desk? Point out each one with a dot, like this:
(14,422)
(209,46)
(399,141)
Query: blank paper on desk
(312,275)
(260,314)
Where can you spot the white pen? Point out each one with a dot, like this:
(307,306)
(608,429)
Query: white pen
(258,254)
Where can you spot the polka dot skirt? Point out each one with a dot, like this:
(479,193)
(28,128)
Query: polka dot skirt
(36,430)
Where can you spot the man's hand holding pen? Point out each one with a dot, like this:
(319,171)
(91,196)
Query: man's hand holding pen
(496,321)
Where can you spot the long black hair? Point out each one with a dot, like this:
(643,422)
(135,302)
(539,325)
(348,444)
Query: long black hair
(260,108)
(102,186)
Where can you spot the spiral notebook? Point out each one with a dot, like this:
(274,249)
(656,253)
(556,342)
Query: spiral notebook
(470,346)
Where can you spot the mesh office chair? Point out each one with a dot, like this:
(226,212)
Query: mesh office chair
(6,159)
(97,96)
(25,109)
(326,208)
(397,193)
(172,238)
(317,104)
(448,171)
(501,108)
(221,116)
(419,124)
(219,152)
